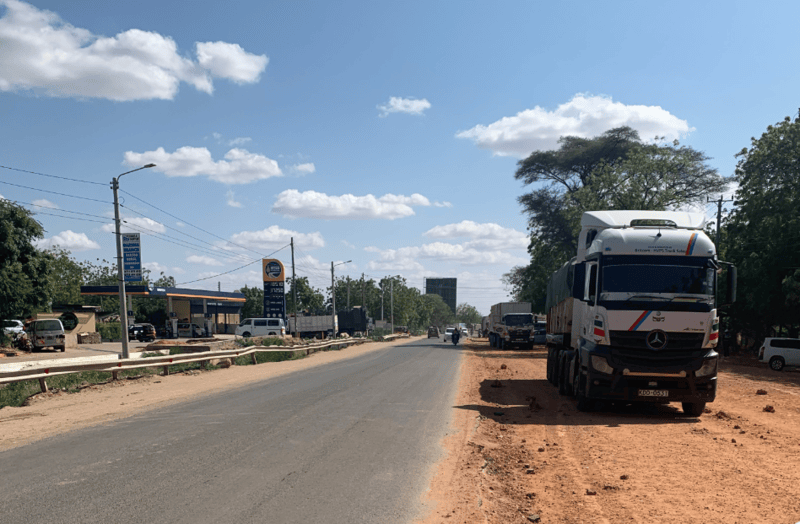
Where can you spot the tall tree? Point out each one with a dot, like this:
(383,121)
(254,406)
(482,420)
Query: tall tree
(309,299)
(65,277)
(763,230)
(468,314)
(253,302)
(24,284)
(615,170)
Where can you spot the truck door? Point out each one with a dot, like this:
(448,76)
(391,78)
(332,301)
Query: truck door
(590,297)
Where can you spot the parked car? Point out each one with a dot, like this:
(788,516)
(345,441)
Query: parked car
(433,332)
(780,352)
(142,332)
(13,327)
(448,334)
(47,333)
(261,327)
(187,330)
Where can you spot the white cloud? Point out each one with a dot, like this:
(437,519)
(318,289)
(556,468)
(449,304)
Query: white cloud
(239,141)
(229,196)
(411,106)
(348,244)
(303,169)
(136,225)
(68,240)
(275,237)
(45,203)
(583,116)
(239,167)
(202,259)
(442,204)
(311,204)
(156,269)
(44,54)
(230,61)
(2,197)
(483,236)
(442,251)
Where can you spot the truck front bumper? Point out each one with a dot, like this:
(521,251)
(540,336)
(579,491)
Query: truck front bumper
(651,388)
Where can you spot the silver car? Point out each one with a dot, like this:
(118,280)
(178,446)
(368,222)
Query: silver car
(47,333)
(13,327)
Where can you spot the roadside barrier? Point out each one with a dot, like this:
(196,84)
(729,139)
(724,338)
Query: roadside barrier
(50,369)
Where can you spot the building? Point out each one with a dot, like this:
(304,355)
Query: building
(445,288)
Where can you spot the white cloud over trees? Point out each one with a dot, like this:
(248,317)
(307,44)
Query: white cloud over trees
(583,116)
(69,240)
(274,237)
(42,53)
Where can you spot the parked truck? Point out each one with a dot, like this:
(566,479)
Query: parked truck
(633,317)
(511,324)
(310,326)
(354,321)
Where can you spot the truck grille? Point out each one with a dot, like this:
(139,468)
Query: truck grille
(630,347)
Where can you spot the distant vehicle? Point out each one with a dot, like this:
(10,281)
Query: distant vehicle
(433,332)
(47,333)
(540,336)
(142,332)
(448,334)
(352,321)
(13,327)
(780,352)
(187,330)
(261,327)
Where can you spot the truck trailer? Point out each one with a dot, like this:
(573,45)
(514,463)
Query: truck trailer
(511,324)
(310,326)
(633,317)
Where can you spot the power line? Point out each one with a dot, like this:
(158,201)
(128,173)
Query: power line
(54,192)
(190,224)
(232,270)
(52,176)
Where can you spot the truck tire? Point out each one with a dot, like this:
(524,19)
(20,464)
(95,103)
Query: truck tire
(563,385)
(585,404)
(246,334)
(550,365)
(61,348)
(693,409)
(502,344)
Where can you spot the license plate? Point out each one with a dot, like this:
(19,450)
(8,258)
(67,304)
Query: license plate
(653,393)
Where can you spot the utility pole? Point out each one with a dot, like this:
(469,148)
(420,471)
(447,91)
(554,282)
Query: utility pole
(719,216)
(123,304)
(363,293)
(348,293)
(333,302)
(391,300)
(216,309)
(383,292)
(294,287)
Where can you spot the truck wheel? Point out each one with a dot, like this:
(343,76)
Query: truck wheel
(246,334)
(61,348)
(777,363)
(585,404)
(693,409)
(563,385)
(550,365)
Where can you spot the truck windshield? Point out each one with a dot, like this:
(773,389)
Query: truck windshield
(641,278)
(518,320)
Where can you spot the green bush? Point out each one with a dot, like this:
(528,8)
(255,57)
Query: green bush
(109,330)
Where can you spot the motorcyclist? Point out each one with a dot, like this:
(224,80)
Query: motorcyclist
(456,335)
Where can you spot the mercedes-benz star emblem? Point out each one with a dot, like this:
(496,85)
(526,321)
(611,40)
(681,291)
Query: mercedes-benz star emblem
(656,339)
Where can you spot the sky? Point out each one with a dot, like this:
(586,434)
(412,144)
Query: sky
(381,133)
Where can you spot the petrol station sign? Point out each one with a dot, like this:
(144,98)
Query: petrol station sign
(274,288)
(132,257)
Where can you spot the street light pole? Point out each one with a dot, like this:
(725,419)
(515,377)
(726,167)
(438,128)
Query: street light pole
(333,297)
(123,306)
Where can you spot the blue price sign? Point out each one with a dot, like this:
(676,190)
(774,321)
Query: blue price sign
(132,257)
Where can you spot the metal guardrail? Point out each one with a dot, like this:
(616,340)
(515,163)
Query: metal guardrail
(45,370)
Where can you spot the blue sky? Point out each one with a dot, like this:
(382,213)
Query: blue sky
(382,133)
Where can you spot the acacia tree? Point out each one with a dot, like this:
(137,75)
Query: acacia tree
(468,314)
(763,231)
(615,170)
(309,298)
(24,285)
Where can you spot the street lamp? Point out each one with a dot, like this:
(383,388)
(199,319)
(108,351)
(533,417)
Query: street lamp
(123,306)
(333,296)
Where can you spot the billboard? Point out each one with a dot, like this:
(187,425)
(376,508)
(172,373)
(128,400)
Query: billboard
(272,271)
(445,288)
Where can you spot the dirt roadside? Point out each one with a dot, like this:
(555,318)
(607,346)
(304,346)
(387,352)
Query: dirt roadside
(522,453)
(51,413)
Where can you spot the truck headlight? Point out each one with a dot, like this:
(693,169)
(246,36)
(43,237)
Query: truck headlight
(601,364)
(709,368)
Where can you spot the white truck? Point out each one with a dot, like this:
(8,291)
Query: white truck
(313,326)
(633,317)
(511,324)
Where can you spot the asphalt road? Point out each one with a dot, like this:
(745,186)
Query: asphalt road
(352,441)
